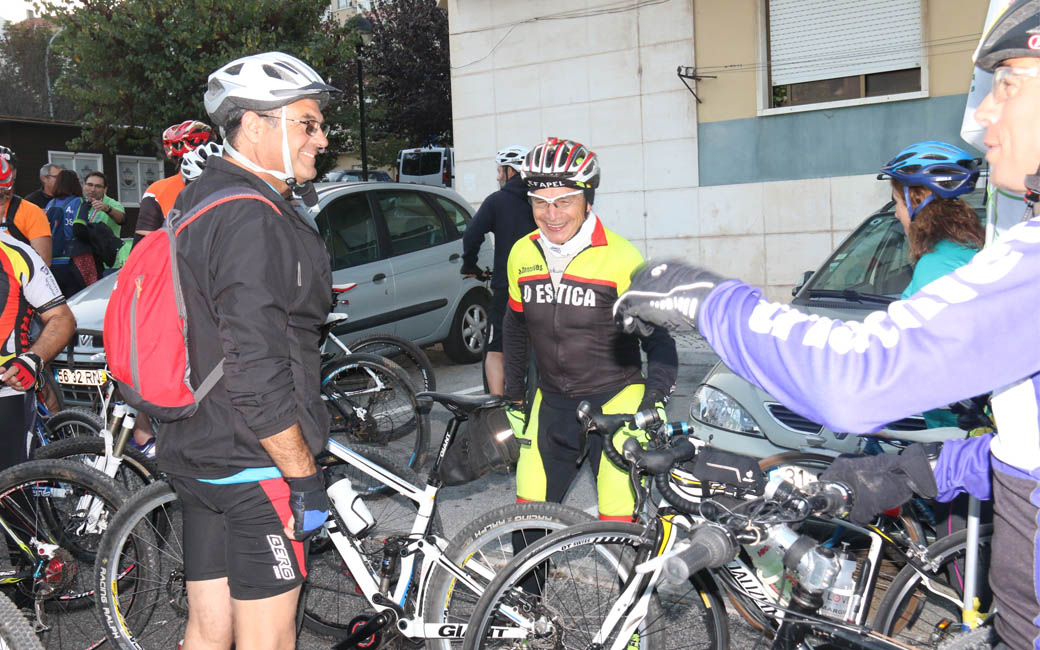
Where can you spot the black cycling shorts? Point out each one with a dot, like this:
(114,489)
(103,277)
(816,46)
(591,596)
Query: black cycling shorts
(236,531)
(496,312)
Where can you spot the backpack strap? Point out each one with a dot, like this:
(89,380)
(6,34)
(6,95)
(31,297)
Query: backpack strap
(12,210)
(177,222)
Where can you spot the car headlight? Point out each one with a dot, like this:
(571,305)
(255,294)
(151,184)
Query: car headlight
(715,408)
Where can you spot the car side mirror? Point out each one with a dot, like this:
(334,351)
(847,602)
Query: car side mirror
(798,287)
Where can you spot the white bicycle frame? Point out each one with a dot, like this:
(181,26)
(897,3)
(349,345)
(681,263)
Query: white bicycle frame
(421,542)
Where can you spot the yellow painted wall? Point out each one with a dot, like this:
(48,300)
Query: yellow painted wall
(726,37)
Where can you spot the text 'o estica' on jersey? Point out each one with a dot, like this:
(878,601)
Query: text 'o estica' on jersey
(578,348)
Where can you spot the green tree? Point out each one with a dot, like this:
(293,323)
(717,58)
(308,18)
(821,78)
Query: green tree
(136,66)
(23,54)
(407,71)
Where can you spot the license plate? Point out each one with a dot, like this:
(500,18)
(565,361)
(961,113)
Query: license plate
(799,476)
(81,376)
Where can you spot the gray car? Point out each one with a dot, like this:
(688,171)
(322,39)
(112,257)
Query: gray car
(868,271)
(401,244)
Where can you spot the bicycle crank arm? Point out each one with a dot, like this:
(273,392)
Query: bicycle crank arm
(371,627)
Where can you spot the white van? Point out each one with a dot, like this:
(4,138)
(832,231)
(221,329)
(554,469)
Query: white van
(427,165)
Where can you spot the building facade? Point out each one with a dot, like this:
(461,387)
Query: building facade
(801,101)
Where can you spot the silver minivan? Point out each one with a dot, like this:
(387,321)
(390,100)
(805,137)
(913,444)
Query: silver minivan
(427,166)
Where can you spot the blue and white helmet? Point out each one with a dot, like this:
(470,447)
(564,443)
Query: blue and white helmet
(943,168)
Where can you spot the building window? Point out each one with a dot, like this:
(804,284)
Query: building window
(344,4)
(834,50)
(81,163)
(133,176)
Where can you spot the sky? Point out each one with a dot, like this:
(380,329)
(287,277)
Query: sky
(13,10)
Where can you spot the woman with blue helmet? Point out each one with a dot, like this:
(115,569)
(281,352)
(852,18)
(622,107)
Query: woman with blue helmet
(945,232)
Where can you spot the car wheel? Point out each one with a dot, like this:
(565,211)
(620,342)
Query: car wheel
(468,335)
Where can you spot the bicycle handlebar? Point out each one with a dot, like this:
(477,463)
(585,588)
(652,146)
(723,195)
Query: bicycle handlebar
(710,547)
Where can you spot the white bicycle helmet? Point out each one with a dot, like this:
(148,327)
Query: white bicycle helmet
(194,161)
(261,82)
(511,156)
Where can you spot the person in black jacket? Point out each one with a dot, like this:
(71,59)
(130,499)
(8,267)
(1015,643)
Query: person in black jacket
(507,213)
(256,284)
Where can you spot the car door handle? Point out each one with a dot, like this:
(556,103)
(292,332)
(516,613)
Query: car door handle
(454,257)
(378,277)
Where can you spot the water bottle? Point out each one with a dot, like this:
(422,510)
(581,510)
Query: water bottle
(836,599)
(350,507)
(768,559)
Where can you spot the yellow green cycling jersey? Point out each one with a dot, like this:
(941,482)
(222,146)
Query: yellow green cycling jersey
(578,349)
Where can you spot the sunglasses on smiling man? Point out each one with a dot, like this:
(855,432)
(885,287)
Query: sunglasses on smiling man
(311,127)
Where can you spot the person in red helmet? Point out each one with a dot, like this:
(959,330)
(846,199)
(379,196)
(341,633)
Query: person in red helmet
(158,198)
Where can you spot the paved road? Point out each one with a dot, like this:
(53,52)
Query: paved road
(460,505)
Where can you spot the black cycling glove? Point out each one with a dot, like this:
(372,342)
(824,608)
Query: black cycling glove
(668,294)
(309,504)
(473,269)
(884,481)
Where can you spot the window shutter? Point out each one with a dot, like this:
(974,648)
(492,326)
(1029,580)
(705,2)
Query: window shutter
(811,40)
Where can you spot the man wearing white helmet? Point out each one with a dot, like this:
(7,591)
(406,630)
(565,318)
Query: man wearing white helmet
(255,277)
(507,214)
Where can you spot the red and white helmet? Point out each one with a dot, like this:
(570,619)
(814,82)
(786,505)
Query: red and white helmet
(6,174)
(181,138)
(561,163)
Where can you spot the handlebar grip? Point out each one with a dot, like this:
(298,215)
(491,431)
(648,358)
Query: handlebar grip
(660,461)
(710,547)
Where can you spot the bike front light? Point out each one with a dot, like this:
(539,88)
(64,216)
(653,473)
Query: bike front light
(717,409)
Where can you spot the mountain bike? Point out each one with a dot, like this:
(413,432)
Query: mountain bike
(394,574)
(52,516)
(409,356)
(582,587)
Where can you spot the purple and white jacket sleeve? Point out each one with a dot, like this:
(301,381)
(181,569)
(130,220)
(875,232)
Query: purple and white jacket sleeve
(964,334)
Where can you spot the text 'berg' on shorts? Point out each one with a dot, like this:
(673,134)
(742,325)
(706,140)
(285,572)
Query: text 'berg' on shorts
(236,531)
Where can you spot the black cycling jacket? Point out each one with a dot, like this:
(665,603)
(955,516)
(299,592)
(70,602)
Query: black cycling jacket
(506,213)
(257,287)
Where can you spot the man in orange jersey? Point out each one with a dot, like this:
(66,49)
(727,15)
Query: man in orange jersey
(178,140)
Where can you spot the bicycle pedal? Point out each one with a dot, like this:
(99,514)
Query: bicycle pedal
(365,632)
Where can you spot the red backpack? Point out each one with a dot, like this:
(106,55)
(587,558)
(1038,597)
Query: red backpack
(146,328)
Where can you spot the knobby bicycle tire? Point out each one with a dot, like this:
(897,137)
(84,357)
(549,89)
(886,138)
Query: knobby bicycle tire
(488,540)
(53,501)
(135,470)
(330,597)
(15,631)
(913,610)
(583,568)
(73,422)
(139,574)
(372,405)
(409,356)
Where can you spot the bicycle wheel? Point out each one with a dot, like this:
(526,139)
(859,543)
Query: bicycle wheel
(372,406)
(135,470)
(917,608)
(140,572)
(331,599)
(56,513)
(15,631)
(73,422)
(486,545)
(404,353)
(579,573)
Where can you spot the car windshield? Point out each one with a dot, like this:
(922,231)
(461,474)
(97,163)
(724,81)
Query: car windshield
(873,263)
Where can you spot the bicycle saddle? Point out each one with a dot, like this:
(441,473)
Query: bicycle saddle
(462,405)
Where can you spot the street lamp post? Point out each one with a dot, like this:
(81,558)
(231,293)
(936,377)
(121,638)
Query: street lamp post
(363,26)
(47,72)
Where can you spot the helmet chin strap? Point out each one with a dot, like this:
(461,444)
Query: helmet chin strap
(304,191)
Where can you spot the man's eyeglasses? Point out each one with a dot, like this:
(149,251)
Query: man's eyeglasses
(562,202)
(1008,80)
(312,127)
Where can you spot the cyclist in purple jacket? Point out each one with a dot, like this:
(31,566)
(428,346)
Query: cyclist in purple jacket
(966,333)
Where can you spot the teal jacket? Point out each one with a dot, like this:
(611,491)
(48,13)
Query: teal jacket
(943,259)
